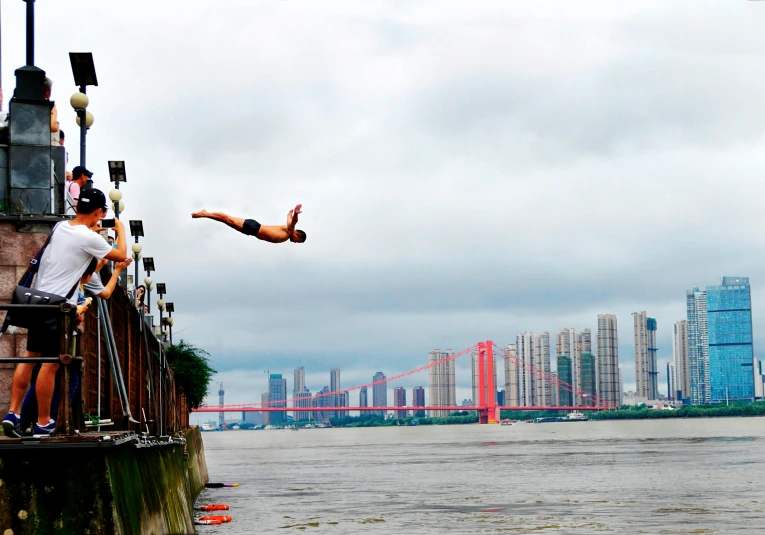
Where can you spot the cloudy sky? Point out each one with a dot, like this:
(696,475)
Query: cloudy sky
(468,170)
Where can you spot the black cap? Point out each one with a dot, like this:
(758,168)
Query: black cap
(91,200)
(78,171)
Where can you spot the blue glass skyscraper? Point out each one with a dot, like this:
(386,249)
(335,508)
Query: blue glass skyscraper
(731,359)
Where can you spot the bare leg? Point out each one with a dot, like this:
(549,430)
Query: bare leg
(235,223)
(46,382)
(21,377)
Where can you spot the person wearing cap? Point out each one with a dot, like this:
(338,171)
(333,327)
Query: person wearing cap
(71,249)
(250,227)
(80,177)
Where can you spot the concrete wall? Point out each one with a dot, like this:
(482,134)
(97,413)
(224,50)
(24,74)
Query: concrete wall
(19,242)
(122,490)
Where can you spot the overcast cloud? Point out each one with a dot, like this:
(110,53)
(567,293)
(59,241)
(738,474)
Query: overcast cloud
(468,170)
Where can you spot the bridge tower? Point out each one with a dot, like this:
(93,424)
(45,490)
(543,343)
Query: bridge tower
(221,414)
(488,412)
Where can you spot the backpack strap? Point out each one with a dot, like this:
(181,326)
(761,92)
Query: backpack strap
(34,264)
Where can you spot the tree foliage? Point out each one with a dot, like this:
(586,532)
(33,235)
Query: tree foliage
(192,370)
(696,411)
(375,420)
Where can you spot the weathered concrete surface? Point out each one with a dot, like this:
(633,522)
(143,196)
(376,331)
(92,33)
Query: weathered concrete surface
(122,490)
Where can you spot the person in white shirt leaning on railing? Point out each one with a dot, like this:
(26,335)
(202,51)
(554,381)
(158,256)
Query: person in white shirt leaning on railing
(70,250)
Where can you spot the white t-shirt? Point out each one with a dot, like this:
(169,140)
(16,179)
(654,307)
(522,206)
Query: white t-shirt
(66,258)
(94,285)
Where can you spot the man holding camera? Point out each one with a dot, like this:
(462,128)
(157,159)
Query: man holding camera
(70,251)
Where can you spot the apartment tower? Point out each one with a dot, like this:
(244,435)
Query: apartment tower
(441,382)
(609,389)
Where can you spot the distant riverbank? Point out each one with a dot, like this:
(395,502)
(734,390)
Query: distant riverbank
(698,411)
(643,413)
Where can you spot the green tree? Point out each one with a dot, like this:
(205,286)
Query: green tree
(192,370)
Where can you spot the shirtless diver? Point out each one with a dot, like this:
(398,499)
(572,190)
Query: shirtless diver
(250,227)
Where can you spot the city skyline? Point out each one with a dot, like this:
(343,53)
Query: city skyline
(731,296)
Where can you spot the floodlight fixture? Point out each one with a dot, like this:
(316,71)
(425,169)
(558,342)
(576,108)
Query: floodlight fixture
(136,228)
(83,68)
(161,288)
(170,307)
(117,171)
(148,264)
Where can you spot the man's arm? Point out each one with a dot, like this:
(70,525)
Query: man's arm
(292,218)
(118,254)
(119,267)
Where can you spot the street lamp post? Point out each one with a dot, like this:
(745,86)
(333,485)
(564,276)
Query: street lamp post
(170,307)
(84,75)
(136,230)
(148,267)
(161,290)
(117,175)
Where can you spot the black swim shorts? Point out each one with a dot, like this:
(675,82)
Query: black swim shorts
(44,340)
(250,227)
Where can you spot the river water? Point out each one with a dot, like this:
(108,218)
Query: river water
(683,476)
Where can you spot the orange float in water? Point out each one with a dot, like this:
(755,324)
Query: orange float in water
(215,507)
(220,518)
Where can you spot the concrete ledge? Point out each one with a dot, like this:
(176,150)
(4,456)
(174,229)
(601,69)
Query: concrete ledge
(120,490)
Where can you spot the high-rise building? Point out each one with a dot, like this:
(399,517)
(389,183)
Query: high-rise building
(681,363)
(541,356)
(698,346)
(336,398)
(418,400)
(565,396)
(324,400)
(343,400)
(266,416)
(555,395)
(759,380)
(277,397)
(303,400)
(567,345)
(671,387)
(379,392)
(399,400)
(524,344)
(363,399)
(587,376)
(620,397)
(334,379)
(512,373)
(474,356)
(584,341)
(646,366)
(441,382)
(609,390)
(298,385)
(731,356)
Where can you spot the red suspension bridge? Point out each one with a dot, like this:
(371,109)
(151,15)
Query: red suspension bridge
(485,405)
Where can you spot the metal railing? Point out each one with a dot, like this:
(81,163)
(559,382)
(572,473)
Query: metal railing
(66,314)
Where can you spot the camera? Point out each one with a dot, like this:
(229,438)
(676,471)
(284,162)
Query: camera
(107,223)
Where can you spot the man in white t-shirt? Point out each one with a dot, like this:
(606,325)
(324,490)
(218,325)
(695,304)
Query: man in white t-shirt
(72,247)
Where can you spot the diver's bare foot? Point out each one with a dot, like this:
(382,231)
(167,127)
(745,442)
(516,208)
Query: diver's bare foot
(201,213)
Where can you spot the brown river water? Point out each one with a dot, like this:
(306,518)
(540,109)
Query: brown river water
(681,476)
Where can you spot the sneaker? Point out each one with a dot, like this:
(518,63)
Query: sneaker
(39,431)
(12,425)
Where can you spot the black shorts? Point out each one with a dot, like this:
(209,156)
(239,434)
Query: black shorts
(44,340)
(250,227)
